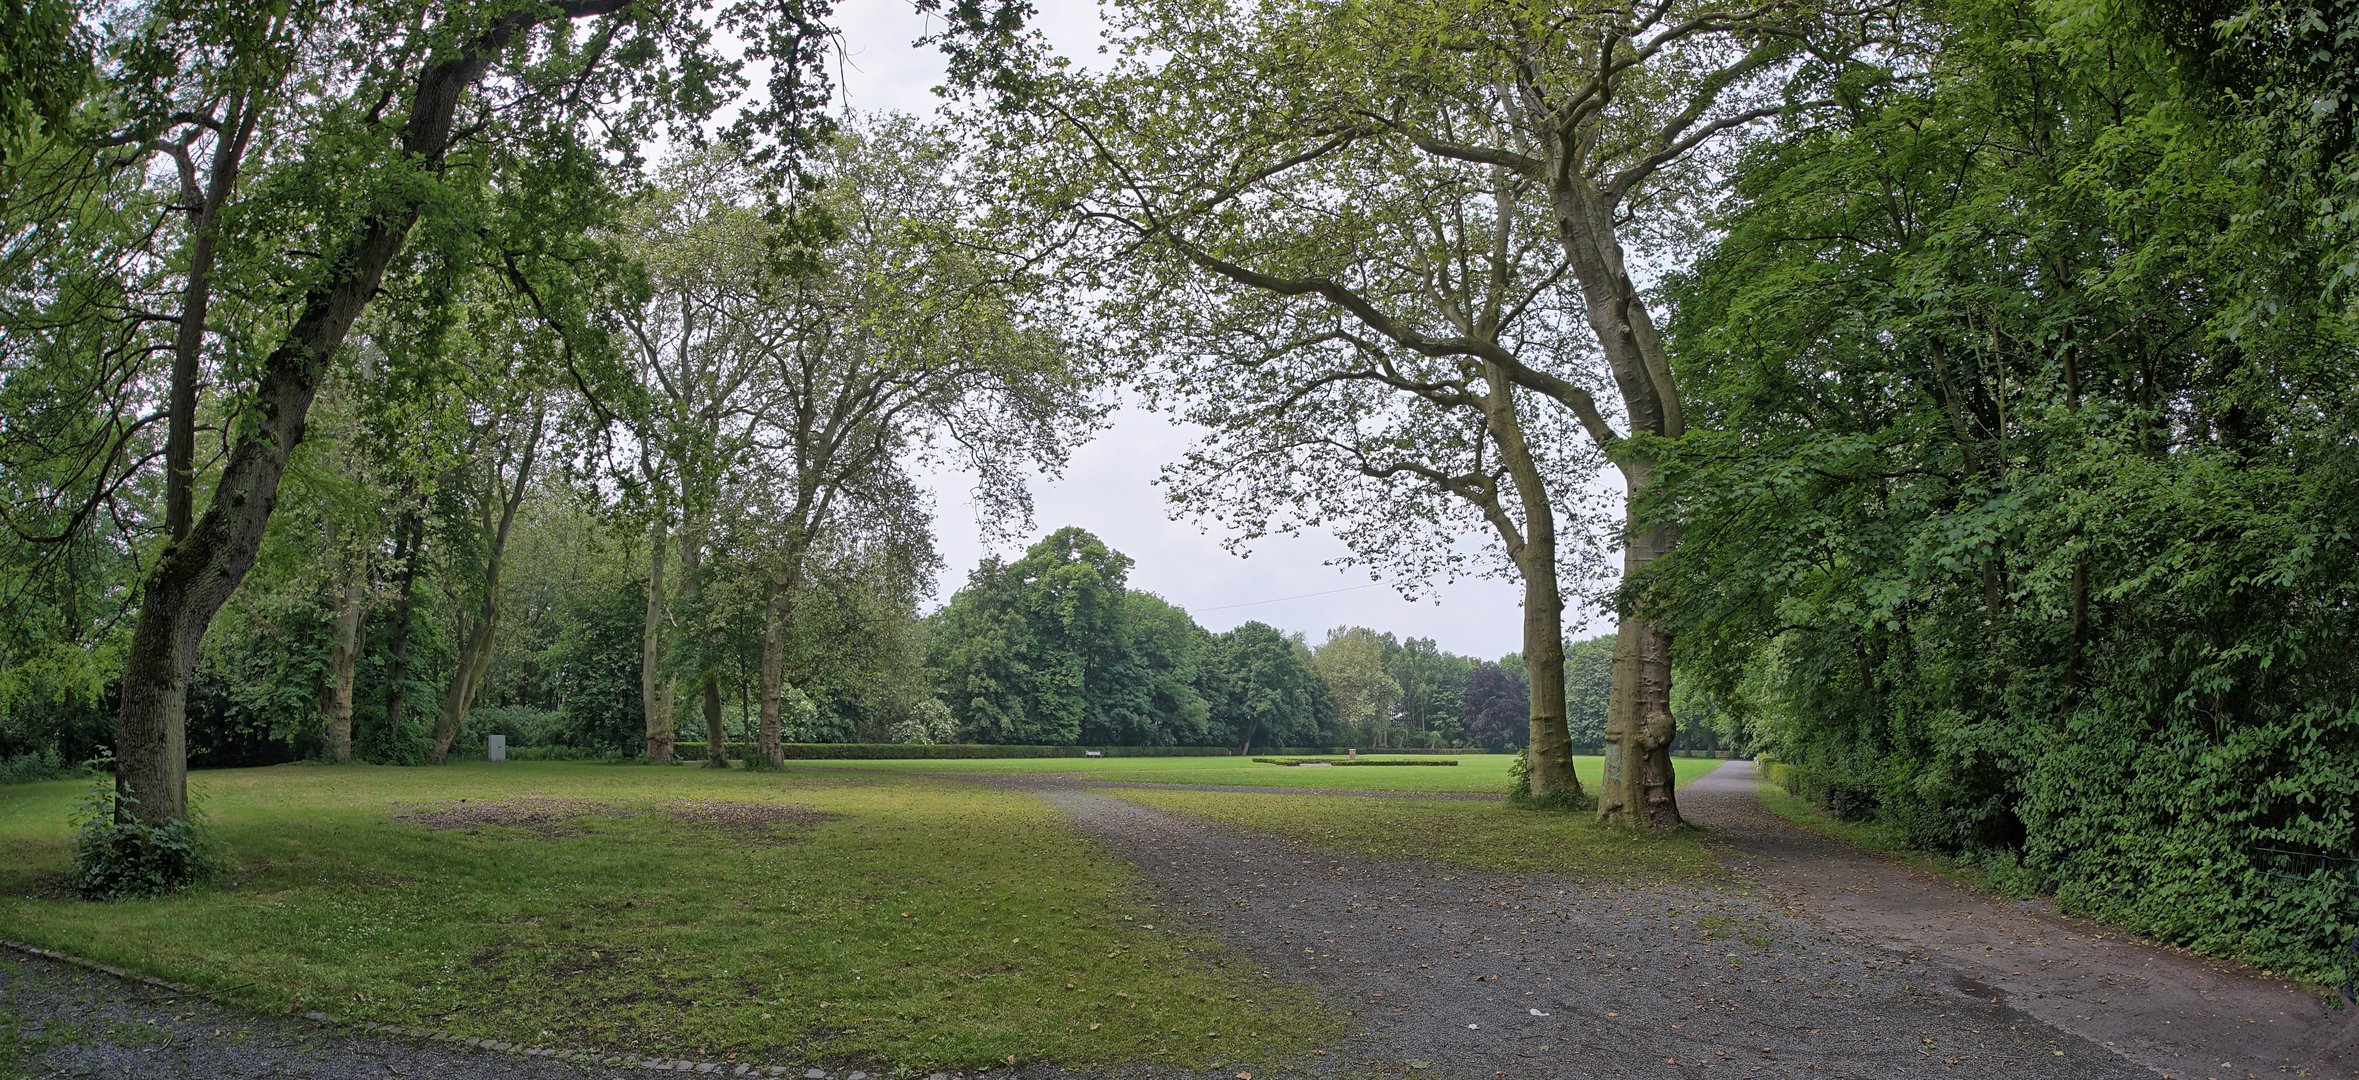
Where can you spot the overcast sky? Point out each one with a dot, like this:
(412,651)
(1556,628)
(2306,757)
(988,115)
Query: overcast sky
(1110,489)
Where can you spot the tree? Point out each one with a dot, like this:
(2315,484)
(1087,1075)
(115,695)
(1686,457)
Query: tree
(1352,662)
(1496,698)
(328,132)
(44,71)
(1258,686)
(1351,369)
(1589,686)
(1027,650)
(906,336)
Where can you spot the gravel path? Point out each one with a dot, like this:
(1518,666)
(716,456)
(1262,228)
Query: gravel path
(2182,1014)
(1467,974)
(59,1020)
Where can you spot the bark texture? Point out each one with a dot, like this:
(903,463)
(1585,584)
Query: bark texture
(1550,757)
(343,658)
(655,688)
(1639,786)
(774,616)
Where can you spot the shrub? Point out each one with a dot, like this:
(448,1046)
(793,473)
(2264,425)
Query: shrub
(128,859)
(567,753)
(43,764)
(929,723)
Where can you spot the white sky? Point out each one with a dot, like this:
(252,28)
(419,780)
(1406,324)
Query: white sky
(1109,488)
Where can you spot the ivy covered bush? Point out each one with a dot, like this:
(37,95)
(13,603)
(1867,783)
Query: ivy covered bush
(116,857)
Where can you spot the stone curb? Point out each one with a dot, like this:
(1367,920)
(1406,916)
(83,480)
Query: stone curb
(575,1056)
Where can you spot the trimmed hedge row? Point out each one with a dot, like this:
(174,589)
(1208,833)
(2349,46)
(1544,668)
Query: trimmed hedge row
(694,751)
(1353,761)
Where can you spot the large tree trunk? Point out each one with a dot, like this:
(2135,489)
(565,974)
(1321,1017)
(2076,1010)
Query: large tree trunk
(716,740)
(344,656)
(1639,784)
(655,688)
(1639,727)
(195,575)
(1550,758)
(774,616)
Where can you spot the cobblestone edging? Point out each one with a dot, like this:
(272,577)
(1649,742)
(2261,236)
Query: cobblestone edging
(573,1056)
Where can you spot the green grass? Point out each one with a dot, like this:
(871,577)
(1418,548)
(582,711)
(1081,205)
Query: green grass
(926,925)
(1481,773)
(1484,835)
(1885,838)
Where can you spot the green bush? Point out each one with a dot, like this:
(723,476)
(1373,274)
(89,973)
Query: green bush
(127,859)
(43,764)
(566,753)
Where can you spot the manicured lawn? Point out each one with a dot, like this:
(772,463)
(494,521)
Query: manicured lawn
(921,924)
(1484,773)
(1485,835)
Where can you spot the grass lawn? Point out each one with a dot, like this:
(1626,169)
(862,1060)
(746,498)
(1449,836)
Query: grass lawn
(920,924)
(1484,835)
(1483,773)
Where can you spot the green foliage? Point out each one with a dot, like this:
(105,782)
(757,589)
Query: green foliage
(2025,528)
(1263,688)
(1055,648)
(44,70)
(42,764)
(1497,709)
(118,857)
(929,723)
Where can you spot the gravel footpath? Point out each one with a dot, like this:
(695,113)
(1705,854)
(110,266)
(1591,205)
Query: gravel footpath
(2183,1014)
(1460,973)
(64,1021)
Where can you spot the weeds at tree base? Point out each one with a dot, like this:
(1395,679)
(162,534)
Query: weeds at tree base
(121,858)
(1558,801)
(1519,790)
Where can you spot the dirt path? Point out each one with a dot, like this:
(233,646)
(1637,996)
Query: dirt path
(1466,974)
(2179,1013)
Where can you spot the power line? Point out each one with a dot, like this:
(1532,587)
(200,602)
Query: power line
(1283,599)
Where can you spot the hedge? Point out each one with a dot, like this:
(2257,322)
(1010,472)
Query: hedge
(694,751)
(1353,761)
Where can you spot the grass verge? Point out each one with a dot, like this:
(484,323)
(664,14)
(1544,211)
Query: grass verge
(908,924)
(1490,836)
(1884,838)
